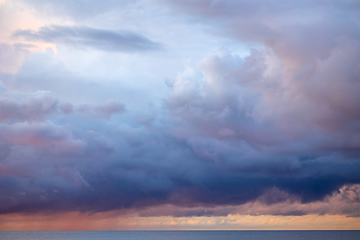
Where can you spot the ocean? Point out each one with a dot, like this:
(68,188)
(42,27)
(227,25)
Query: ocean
(180,235)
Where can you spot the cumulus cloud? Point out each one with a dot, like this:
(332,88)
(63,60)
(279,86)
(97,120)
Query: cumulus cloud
(275,132)
(87,37)
(220,151)
(303,87)
(273,202)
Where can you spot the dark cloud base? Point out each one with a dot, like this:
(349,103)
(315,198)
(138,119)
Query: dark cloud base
(103,180)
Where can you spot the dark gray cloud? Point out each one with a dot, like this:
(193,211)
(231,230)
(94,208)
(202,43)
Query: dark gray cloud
(97,172)
(87,37)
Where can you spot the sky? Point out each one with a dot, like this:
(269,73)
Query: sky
(175,115)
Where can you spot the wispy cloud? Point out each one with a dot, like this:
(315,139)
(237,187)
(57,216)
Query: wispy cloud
(88,37)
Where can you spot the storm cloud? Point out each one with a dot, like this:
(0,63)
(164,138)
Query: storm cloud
(274,130)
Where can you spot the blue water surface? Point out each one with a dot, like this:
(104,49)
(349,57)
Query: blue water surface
(181,235)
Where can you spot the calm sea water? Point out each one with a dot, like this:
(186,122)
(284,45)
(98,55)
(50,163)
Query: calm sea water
(182,235)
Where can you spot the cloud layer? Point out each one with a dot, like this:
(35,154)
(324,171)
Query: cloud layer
(273,131)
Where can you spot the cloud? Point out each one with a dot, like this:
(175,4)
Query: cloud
(220,151)
(32,109)
(105,110)
(41,106)
(23,46)
(345,201)
(285,27)
(81,37)
(275,132)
